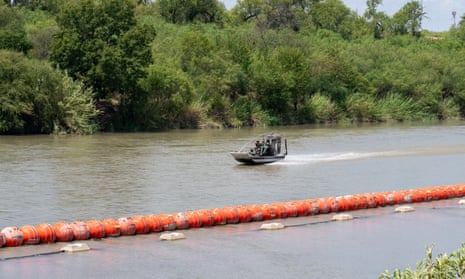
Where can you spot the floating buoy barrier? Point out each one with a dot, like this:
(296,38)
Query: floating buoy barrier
(272,226)
(96,229)
(80,230)
(142,226)
(46,233)
(63,231)
(2,239)
(30,235)
(127,226)
(172,236)
(112,227)
(13,236)
(167,223)
(343,217)
(404,209)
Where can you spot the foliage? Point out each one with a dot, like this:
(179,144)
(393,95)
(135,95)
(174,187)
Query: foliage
(321,108)
(273,62)
(187,11)
(101,44)
(35,98)
(77,112)
(399,108)
(443,266)
(12,30)
(169,95)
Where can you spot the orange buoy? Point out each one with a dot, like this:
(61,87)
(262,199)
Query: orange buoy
(291,209)
(302,209)
(362,201)
(127,226)
(389,197)
(80,230)
(2,240)
(371,200)
(278,210)
(333,204)
(13,236)
(444,192)
(194,219)
(30,235)
(181,220)
(218,216)
(460,190)
(142,227)
(342,203)
(452,191)
(206,217)
(154,222)
(112,227)
(269,212)
(312,206)
(407,196)
(244,214)
(96,229)
(46,233)
(352,202)
(232,216)
(255,212)
(323,206)
(168,222)
(63,231)
(380,199)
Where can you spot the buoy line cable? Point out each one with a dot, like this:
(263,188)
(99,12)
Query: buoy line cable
(33,255)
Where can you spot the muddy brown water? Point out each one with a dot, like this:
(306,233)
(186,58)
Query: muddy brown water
(46,179)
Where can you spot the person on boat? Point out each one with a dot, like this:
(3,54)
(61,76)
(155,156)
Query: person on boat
(268,149)
(258,147)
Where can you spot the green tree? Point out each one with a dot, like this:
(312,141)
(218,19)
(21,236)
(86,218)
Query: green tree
(169,95)
(377,20)
(12,31)
(331,15)
(185,11)
(408,19)
(35,98)
(101,44)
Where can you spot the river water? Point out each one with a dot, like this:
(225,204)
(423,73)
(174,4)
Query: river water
(46,179)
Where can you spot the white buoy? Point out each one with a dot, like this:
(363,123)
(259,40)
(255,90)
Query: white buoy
(172,236)
(272,226)
(462,202)
(404,209)
(343,217)
(75,247)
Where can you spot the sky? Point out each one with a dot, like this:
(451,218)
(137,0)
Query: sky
(438,12)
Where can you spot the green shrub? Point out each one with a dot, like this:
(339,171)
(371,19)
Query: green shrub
(399,108)
(443,267)
(362,108)
(322,108)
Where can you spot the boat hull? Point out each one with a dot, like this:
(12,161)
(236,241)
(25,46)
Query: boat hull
(250,159)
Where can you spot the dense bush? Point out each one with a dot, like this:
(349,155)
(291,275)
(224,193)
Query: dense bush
(444,266)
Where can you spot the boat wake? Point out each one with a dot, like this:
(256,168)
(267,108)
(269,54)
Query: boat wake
(332,157)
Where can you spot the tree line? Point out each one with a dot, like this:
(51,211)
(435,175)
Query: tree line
(83,66)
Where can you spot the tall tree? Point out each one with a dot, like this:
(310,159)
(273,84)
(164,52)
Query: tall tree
(12,32)
(376,19)
(408,19)
(185,11)
(101,43)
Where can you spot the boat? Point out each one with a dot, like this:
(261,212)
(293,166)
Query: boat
(264,150)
